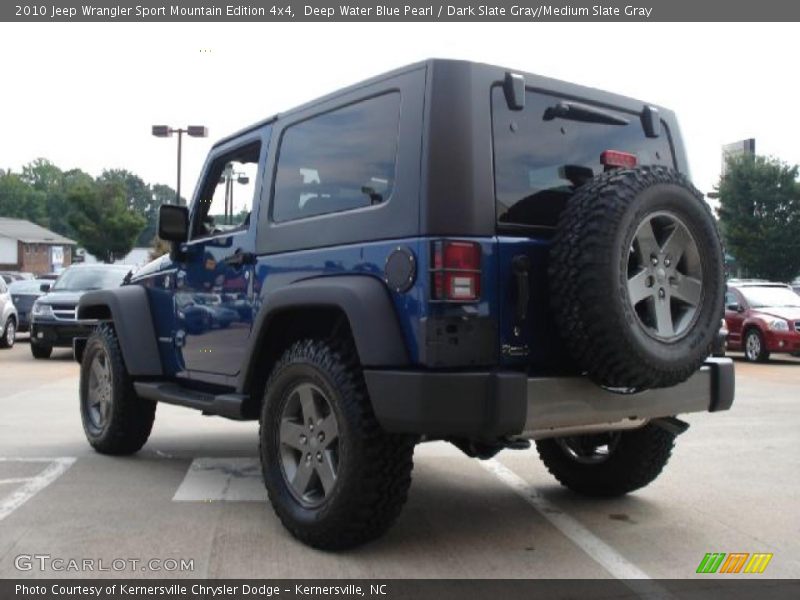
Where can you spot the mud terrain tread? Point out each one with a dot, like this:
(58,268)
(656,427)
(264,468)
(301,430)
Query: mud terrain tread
(584,240)
(638,459)
(366,510)
(132,417)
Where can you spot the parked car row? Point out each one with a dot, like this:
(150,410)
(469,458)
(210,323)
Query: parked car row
(46,306)
(762,317)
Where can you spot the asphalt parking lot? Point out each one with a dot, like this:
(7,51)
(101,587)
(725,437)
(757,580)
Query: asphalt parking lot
(194,494)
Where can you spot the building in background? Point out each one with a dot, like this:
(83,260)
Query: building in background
(747,146)
(28,247)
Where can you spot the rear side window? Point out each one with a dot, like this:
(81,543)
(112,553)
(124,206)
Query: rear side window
(540,162)
(337,161)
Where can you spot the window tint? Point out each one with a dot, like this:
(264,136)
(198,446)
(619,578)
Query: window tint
(337,161)
(227,193)
(540,162)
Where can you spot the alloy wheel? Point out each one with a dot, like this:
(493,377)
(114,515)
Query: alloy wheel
(753,346)
(665,276)
(99,395)
(309,444)
(590,449)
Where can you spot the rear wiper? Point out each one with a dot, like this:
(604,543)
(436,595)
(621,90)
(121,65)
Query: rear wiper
(574,111)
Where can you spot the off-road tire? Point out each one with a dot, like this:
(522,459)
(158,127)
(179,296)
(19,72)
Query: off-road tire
(131,418)
(40,351)
(7,339)
(762,355)
(588,279)
(638,458)
(374,472)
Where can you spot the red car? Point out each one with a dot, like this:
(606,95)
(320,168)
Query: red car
(762,317)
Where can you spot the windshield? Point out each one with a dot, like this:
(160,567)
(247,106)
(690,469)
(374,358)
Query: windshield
(89,278)
(762,297)
(27,286)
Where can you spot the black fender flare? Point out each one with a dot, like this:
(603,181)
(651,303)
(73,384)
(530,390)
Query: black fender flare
(129,309)
(365,301)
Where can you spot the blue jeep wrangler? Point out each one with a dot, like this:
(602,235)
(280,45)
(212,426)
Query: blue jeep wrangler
(450,251)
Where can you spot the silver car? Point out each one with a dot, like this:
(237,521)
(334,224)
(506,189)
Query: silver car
(8,317)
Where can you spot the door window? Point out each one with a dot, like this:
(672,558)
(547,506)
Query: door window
(227,193)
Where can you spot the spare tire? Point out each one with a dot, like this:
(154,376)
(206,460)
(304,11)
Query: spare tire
(637,278)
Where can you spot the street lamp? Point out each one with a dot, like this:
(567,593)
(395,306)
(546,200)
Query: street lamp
(229,175)
(167,131)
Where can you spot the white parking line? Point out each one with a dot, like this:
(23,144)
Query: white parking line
(222,479)
(33,485)
(15,480)
(608,558)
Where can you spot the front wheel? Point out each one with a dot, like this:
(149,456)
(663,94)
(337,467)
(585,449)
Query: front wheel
(755,348)
(9,334)
(115,420)
(608,464)
(333,476)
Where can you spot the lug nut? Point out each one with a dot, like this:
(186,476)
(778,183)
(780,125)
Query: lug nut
(303,439)
(321,437)
(667,261)
(649,281)
(308,458)
(319,456)
(661,293)
(654,260)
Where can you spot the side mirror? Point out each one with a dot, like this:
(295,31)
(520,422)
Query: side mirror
(173,223)
(735,307)
(45,287)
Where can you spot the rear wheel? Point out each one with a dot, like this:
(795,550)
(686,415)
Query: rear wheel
(9,333)
(755,348)
(115,420)
(40,350)
(608,464)
(334,477)
(636,278)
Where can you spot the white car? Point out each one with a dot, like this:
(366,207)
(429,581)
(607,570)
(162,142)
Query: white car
(8,317)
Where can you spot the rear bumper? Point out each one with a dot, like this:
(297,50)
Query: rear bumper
(494,404)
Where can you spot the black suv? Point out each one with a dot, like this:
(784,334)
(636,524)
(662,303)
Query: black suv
(53,316)
(449,251)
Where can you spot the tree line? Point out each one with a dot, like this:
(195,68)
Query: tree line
(759,214)
(759,210)
(107,215)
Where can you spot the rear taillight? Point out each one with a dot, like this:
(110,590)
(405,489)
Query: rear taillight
(456,271)
(615,158)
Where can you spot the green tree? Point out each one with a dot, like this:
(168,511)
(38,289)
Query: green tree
(102,221)
(760,215)
(46,178)
(19,200)
(160,194)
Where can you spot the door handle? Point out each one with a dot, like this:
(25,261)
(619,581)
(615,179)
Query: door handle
(521,265)
(238,259)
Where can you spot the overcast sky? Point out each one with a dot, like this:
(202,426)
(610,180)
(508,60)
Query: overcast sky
(85,95)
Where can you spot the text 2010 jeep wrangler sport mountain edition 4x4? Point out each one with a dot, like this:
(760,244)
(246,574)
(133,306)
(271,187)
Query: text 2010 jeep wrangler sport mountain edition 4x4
(448,251)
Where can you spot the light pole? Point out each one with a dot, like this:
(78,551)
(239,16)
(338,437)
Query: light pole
(167,131)
(229,176)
